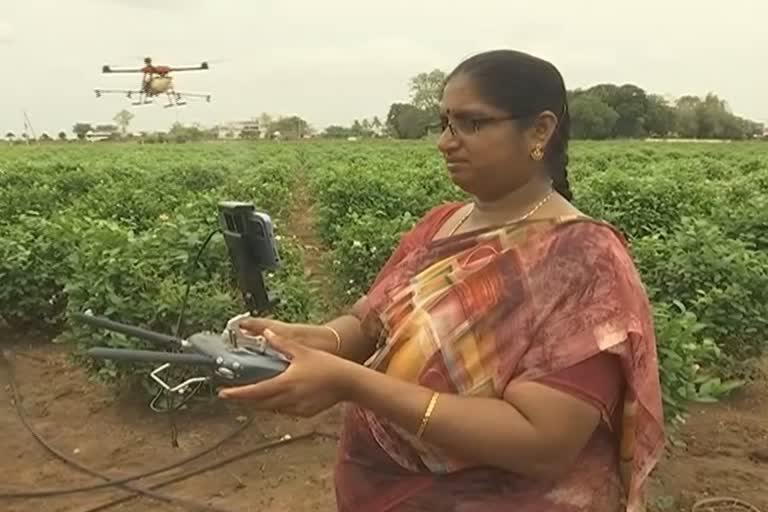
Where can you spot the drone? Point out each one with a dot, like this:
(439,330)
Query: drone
(155,81)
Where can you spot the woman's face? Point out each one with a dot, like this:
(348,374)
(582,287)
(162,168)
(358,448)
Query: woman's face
(487,153)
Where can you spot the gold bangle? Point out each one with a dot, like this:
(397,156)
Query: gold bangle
(338,337)
(427,414)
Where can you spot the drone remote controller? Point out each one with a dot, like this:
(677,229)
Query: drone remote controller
(239,364)
(232,357)
(228,364)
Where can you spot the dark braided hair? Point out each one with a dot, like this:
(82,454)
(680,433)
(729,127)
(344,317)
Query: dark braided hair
(524,86)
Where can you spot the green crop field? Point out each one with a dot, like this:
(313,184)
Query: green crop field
(115,228)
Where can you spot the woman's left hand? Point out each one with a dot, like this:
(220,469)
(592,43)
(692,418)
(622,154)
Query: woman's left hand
(314,381)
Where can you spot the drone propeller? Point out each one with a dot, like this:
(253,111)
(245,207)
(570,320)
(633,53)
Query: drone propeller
(203,65)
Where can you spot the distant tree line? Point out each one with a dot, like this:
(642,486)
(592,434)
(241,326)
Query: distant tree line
(627,111)
(604,111)
(420,116)
(359,129)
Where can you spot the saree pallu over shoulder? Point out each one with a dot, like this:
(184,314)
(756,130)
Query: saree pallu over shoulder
(474,313)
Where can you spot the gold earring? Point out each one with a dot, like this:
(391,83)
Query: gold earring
(537,153)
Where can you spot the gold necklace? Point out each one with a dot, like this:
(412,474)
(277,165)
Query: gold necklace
(530,212)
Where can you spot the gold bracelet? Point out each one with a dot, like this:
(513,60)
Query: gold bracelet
(427,414)
(338,337)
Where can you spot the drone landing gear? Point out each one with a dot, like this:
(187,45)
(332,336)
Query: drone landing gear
(144,99)
(174,100)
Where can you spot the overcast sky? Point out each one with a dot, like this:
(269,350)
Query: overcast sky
(332,61)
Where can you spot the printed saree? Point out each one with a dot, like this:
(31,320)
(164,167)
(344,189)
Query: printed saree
(473,313)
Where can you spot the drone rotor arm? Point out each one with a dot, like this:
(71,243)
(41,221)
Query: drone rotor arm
(201,67)
(109,69)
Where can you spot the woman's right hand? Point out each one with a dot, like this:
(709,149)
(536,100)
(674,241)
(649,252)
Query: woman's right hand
(313,336)
(255,326)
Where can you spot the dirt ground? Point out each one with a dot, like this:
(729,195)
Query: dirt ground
(122,436)
(724,451)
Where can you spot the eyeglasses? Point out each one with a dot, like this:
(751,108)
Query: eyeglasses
(470,125)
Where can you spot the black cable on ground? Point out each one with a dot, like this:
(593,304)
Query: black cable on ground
(279,442)
(49,493)
(59,455)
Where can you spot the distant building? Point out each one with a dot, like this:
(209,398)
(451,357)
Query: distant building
(236,129)
(95,136)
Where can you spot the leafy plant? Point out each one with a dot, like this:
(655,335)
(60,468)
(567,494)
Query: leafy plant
(721,280)
(687,360)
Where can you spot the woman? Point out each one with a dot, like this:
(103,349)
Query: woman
(504,358)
